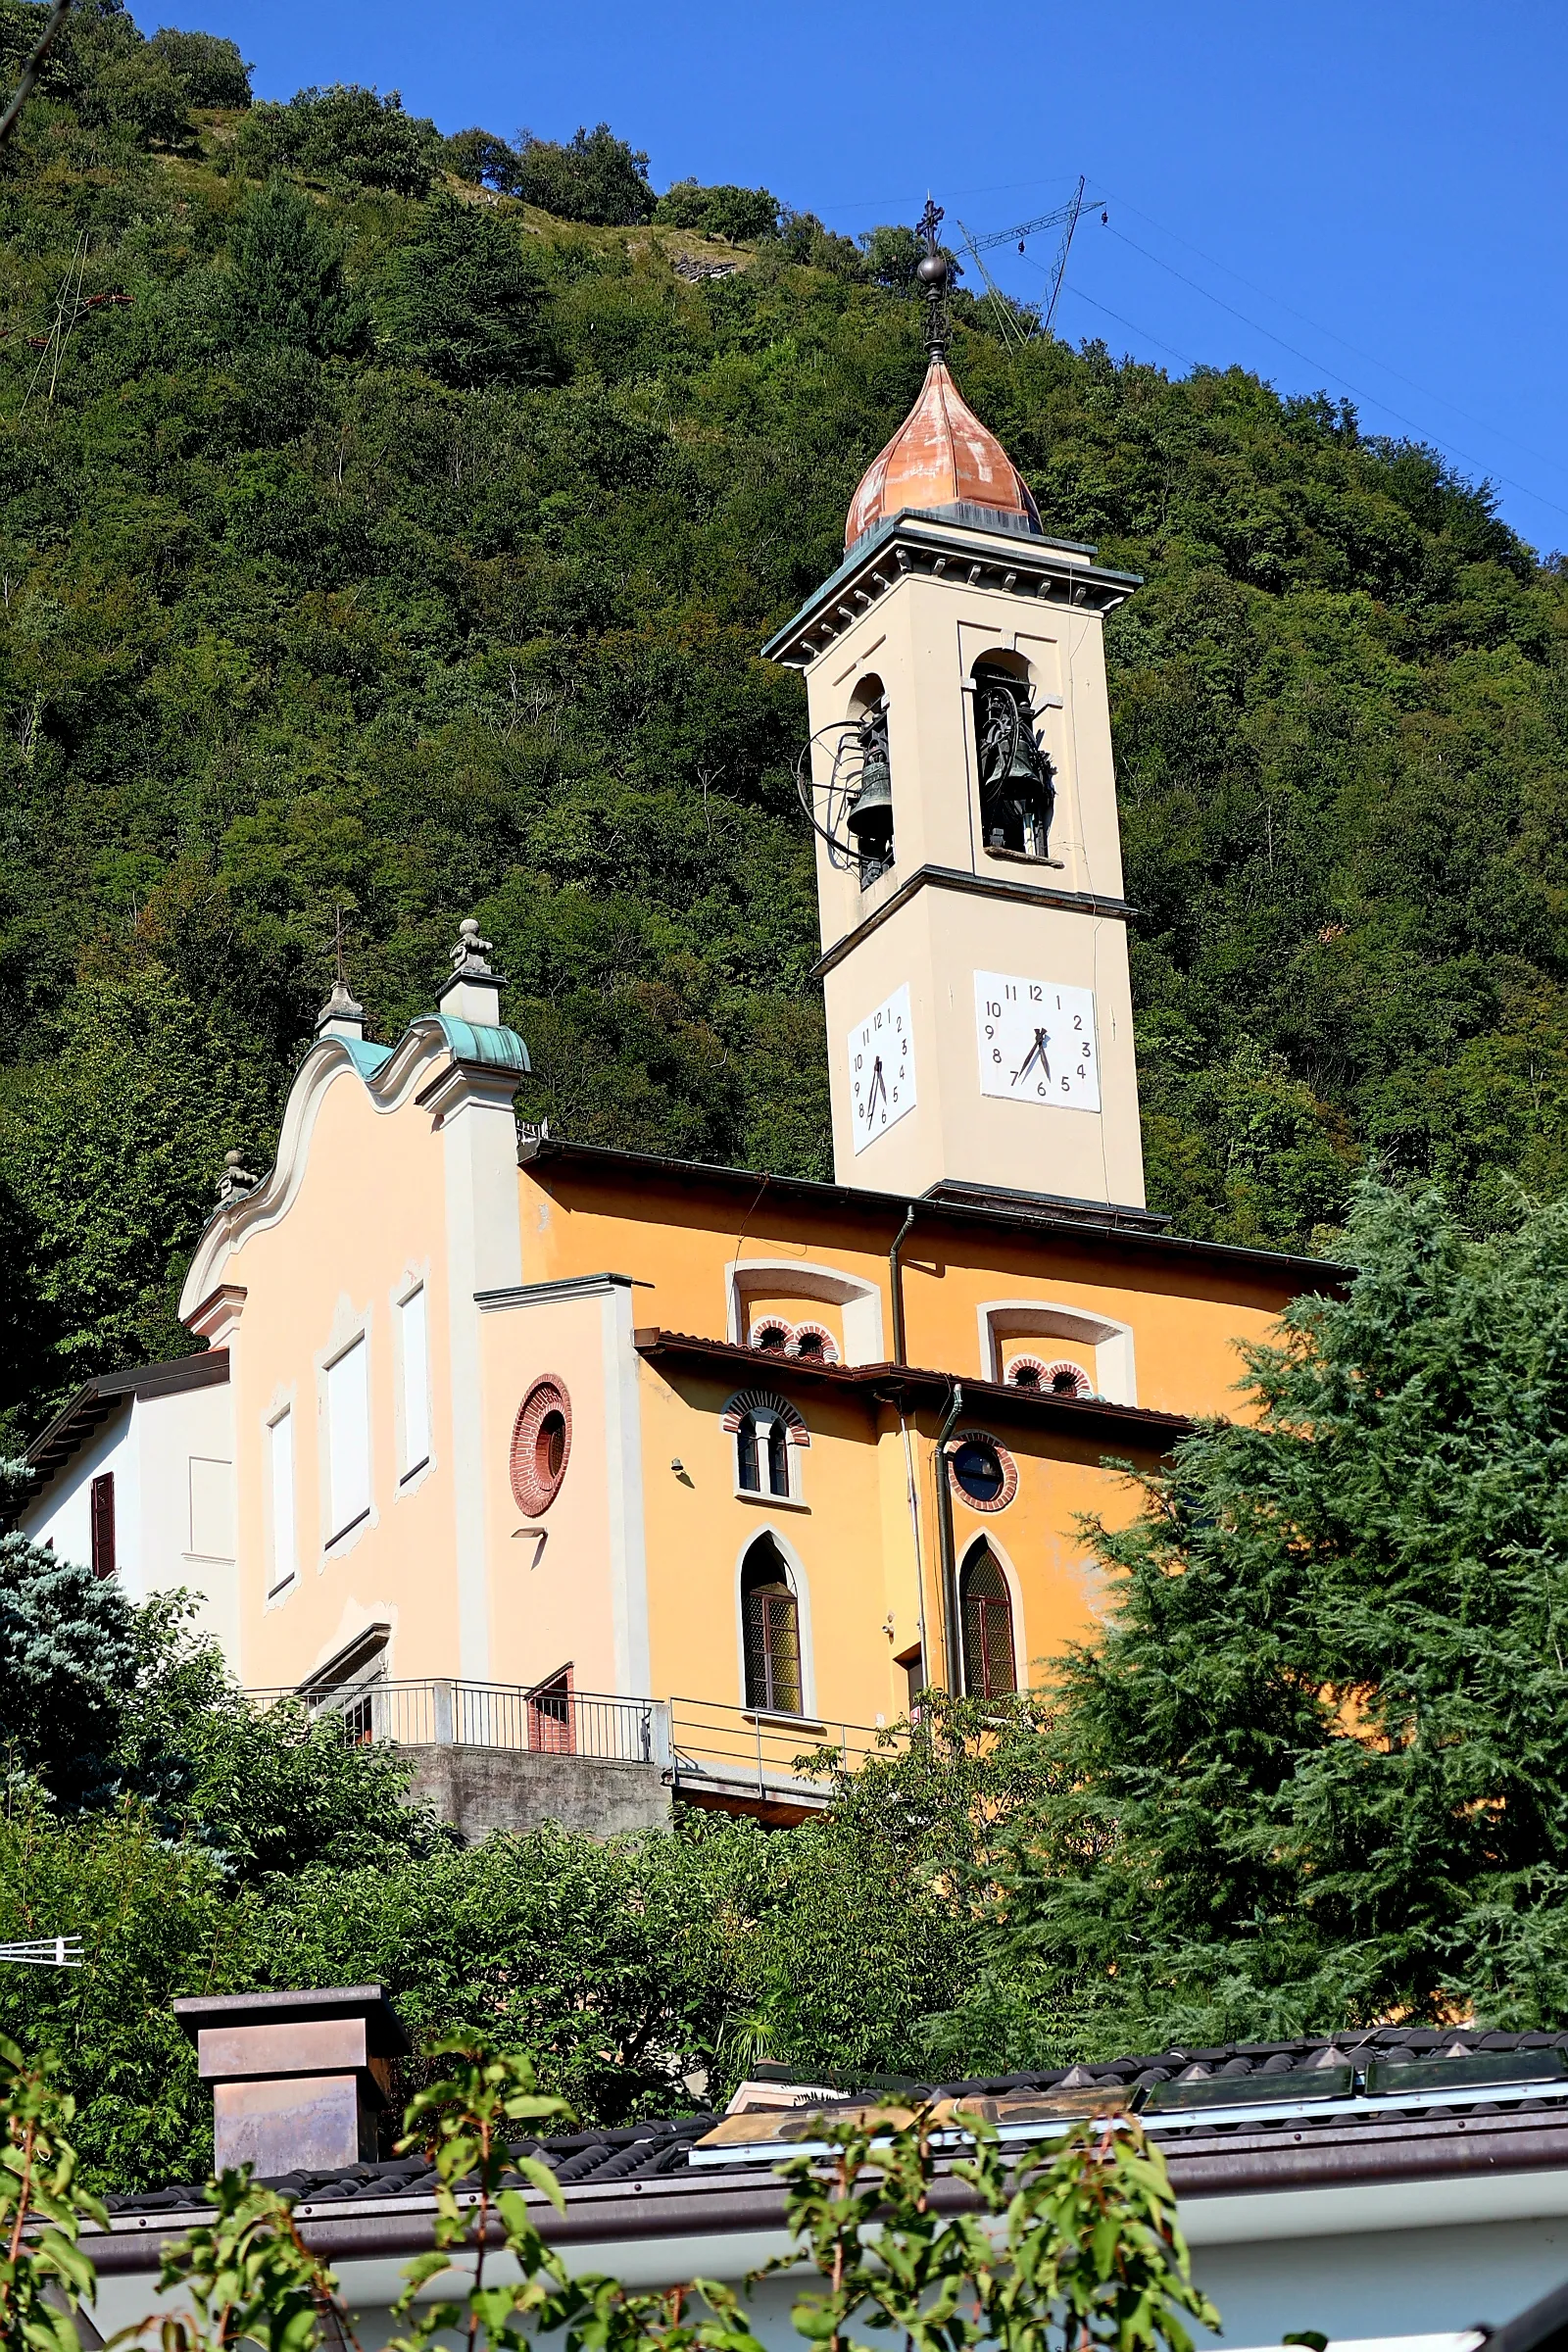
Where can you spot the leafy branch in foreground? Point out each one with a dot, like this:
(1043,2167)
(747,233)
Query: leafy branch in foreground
(44,2276)
(251,2278)
(463,2122)
(1073,2246)
(1089,2251)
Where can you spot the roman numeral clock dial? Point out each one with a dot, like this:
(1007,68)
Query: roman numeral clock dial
(1036,1041)
(881,1058)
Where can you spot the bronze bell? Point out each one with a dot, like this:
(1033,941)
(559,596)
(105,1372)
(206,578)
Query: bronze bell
(1024,766)
(870,819)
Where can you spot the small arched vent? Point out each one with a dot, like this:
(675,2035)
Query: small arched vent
(1063,1378)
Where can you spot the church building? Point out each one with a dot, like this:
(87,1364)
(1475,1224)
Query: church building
(534,1427)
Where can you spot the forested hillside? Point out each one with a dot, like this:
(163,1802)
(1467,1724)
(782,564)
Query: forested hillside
(373,538)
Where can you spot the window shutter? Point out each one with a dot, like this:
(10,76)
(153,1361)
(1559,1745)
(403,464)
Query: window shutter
(348,1421)
(280,1467)
(416,1355)
(103,1523)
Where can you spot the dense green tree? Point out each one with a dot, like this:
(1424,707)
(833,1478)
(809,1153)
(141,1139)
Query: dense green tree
(345,135)
(718,212)
(592,177)
(113,1146)
(67,1647)
(463,301)
(802,239)
(1312,1773)
(286,276)
(893,255)
(144,91)
(208,70)
(484,160)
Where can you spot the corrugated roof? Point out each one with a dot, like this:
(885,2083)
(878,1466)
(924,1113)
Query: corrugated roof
(662,2150)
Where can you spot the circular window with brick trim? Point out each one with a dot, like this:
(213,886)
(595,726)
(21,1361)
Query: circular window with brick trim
(984,1472)
(541,1446)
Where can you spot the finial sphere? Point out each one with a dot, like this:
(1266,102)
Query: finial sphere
(932,269)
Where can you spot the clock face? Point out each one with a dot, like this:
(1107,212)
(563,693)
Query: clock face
(1037,1041)
(881,1051)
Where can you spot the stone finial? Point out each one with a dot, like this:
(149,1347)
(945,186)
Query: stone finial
(472,991)
(341,1015)
(470,956)
(234,1183)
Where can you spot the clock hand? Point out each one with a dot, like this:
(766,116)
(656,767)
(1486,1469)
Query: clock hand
(877,1080)
(1036,1052)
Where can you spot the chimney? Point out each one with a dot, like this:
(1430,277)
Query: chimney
(300,2080)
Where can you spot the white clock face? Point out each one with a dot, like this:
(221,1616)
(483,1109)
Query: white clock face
(881,1050)
(1037,1041)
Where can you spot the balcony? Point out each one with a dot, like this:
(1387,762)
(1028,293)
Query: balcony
(730,1759)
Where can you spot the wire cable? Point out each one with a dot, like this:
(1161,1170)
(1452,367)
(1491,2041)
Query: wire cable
(1450,449)
(1317,325)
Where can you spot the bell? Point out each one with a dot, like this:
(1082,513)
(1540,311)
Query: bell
(870,819)
(1024,766)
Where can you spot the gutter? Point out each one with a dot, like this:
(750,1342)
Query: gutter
(1089,1417)
(1496,2149)
(951,1653)
(896,1286)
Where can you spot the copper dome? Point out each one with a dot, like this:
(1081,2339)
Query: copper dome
(941,455)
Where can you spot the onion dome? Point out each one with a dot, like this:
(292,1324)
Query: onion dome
(941,456)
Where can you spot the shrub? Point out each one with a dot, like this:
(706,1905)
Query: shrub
(718,212)
(208,70)
(594,177)
(346,136)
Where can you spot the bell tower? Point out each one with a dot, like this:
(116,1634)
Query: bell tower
(968,858)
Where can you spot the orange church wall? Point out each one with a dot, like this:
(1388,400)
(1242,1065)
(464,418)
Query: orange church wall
(1187,1312)
(850,1539)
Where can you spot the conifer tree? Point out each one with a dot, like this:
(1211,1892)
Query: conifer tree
(1314,1773)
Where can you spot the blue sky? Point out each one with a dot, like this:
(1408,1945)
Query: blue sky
(1364,200)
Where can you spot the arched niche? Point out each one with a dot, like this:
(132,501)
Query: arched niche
(1015,781)
(1101,1345)
(777,1280)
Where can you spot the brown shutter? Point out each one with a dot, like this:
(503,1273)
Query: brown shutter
(103,1523)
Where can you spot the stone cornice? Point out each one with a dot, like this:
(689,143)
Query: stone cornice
(1054,572)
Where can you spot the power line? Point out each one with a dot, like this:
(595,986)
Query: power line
(1132,329)
(1449,448)
(1360,392)
(1320,327)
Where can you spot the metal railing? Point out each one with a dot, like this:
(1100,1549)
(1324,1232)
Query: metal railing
(547,1720)
(745,1751)
(705,1748)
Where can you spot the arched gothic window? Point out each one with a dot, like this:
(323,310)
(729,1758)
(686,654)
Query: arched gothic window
(771,1622)
(988,1670)
(765,1429)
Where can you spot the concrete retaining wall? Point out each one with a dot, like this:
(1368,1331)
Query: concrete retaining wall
(483,1789)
